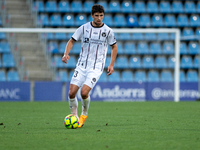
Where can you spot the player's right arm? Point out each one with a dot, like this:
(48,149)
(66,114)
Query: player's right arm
(69,46)
(75,37)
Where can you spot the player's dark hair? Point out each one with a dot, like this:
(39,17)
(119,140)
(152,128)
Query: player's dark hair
(96,8)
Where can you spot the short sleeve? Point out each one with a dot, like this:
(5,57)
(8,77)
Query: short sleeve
(78,33)
(111,38)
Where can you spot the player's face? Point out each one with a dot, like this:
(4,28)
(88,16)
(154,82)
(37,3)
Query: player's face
(97,19)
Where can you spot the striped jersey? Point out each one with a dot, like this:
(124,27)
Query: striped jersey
(94,44)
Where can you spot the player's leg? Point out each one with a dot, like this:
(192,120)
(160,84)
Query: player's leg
(76,82)
(73,102)
(85,104)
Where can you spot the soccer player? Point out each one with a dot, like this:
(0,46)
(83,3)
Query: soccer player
(95,37)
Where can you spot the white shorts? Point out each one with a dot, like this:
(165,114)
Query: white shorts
(88,76)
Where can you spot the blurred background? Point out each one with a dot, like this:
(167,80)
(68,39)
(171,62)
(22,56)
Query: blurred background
(142,57)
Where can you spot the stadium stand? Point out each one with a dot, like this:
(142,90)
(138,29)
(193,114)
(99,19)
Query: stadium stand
(135,50)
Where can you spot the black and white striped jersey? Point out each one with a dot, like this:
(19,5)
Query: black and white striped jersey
(94,43)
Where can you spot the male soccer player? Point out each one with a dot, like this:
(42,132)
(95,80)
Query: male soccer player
(95,37)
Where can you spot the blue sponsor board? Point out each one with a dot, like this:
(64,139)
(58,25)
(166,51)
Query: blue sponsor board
(134,91)
(160,91)
(48,91)
(164,91)
(116,91)
(14,91)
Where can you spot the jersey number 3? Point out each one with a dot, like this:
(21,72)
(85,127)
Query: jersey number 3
(75,73)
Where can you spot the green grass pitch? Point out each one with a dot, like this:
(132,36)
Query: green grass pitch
(110,125)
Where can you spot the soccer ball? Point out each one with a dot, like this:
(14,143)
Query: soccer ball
(71,122)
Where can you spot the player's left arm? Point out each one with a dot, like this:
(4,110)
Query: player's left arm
(113,57)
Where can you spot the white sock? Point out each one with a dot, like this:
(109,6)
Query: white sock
(85,106)
(73,105)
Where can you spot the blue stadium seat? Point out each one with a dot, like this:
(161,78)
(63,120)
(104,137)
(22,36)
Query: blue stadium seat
(171,61)
(71,63)
(150,36)
(157,21)
(153,76)
(166,76)
(152,7)
(148,62)
(4,47)
(138,36)
(90,19)
(114,77)
(0,63)
(188,34)
(144,21)
(140,76)
(193,48)
(186,62)
(68,20)
(165,7)
(131,21)
(105,5)
(155,48)
(120,48)
(51,6)
(114,6)
(140,7)
(108,20)
(127,7)
(196,62)
(103,77)
(163,36)
(183,48)
(182,21)
(2,76)
(60,36)
(80,19)
(198,7)
(55,20)
(57,62)
(135,62)
(62,46)
(76,7)
(129,48)
(48,36)
(52,47)
(8,60)
(63,76)
(87,5)
(182,76)
(160,62)
(177,7)
(142,48)
(192,76)
(76,49)
(124,36)
(107,63)
(122,62)
(170,21)
(39,6)
(71,73)
(168,48)
(2,36)
(119,20)
(194,21)
(127,76)
(43,20)
(190,7)
(12,76)
(197,33)
(63,7)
